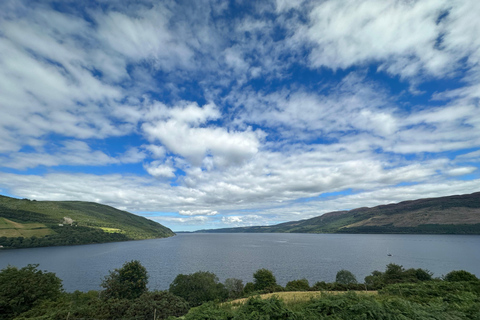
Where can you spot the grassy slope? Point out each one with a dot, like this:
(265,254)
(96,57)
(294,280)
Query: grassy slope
(454,214)
(9,228)
(28,215)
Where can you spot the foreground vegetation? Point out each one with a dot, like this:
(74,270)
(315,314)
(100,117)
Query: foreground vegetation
(25,224)
(395,293)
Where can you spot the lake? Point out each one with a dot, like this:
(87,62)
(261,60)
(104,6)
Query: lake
(316,257)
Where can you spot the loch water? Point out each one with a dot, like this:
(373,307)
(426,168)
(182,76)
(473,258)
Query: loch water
(316,257)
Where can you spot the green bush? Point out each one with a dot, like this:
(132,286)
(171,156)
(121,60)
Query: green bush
(22,289)
(268,309)
(298,285)
(157,305)
(198,287)
(128,282)
(345,277)
(209,311)
(264,280)
(460,275)
(234,288)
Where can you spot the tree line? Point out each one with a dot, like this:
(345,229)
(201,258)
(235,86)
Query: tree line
(64,236)
(29,293)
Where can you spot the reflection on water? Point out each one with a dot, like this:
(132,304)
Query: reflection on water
(316,257)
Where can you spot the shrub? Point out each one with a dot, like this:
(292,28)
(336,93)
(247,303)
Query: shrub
(264,279)
(298,285)
(128,282)
(460,275)
(234,288)
(198,287)
(345,277)
(22,289)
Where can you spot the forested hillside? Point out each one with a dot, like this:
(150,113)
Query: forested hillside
(459,214)
(30,223)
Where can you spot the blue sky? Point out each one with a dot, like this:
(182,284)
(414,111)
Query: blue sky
(209,114)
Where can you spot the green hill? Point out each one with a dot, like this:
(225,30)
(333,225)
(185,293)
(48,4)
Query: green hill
(27,223)
(459,214)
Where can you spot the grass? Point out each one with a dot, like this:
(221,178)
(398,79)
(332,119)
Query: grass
(292,297)
(10,228)
(112,230)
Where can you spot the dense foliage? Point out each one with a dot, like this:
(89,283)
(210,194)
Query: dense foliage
(345,277)
(64,236)
(128,282)
(395,273)
(298,285)
(22,289)
(264,280)
(198,287)
(460,275)
(404,294)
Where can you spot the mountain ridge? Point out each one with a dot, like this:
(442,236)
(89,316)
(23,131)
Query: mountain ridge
(456,214)
(31,223)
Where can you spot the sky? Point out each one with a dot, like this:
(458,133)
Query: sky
(209,114)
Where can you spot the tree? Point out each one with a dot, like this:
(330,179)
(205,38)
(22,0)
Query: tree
(298,285)
(345,277)
(375,280)
(128,282)
(157,305)
(264,279)
(460,275)
(415,275)
(234,288)
(198,287)
(22,289)
(394,273)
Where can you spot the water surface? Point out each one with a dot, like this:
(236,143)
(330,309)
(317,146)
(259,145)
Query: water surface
(316,257)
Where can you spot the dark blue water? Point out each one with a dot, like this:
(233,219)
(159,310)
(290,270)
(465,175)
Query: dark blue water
(316,257)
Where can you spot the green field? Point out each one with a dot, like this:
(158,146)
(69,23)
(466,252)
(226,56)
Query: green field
(9,228)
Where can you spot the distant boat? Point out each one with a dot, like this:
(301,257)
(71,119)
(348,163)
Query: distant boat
(389,254)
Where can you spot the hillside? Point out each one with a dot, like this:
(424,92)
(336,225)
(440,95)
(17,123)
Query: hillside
(27,223)
(459,214)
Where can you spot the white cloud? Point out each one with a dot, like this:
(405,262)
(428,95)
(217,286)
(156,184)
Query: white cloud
(159,169)
(144,35)
(179,130)
(70,152)
(461,171)
(171,88)
(158,152)
(204,212)
(399,35)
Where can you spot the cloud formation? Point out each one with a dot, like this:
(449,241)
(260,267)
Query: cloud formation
(218,113)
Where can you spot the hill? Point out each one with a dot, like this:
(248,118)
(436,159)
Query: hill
(30,223)
(458,214)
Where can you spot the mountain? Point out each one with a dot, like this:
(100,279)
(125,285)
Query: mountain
(459,214)
(30,223)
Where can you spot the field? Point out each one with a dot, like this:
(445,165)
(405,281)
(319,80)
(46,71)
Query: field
(112,230)
(9,228)
(299,296)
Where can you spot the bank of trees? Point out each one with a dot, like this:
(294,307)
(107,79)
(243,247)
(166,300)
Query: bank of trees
(63,236)
(29,293)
